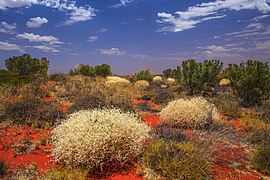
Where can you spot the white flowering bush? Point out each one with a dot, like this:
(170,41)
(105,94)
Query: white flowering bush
(116,80)
(189,113)
(141,84)
(157,79)
(92,138)
(171,81)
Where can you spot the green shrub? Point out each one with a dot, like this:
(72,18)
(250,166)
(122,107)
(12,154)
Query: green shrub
(31,111)
(26,65)
(228,104)
(103,70)
(94,138)
(200,76)
(168,73)
(12,78)
(193,113)
(251,80)
(173,160)
(143,75)
(261,158)
(83,69)
(121,102)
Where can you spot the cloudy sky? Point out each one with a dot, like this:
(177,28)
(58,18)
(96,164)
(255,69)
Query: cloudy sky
(132,35)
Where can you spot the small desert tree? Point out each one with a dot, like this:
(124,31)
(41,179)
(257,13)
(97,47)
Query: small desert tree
(143,75)
(26,65)
(103,70)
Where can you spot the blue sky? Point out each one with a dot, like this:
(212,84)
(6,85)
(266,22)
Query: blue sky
(132,35)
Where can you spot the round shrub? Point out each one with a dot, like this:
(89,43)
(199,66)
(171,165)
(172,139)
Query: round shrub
(157,79)
(93,138)
(141,84)
(189,113)
(171,81)
(174,160)
(116,80)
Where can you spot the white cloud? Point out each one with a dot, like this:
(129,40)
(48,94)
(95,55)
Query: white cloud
(112,51)
(262,45)
(102,30)
(258,18)
(46,48)
(122,3)
(92,38)
(250,31)
(10,47)
(36,22)
(37,38)
(76,14)
(183,20)
(16,3)
(7,28)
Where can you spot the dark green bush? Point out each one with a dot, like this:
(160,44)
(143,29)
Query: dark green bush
(251,80)
(200,76)
(103,70)
(12,78)
(261,158)
(174,160)
(26,65)
(143,75)
(30,110)
(168,73)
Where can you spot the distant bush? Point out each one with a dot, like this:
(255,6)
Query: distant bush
(261,158)
(26,65)
(143,75)
(196,112)
(94,138)
(200,76)
(32,111)
(103,70)
(168,73)
(157,79)
(83,69)
(251,80)
(174,160)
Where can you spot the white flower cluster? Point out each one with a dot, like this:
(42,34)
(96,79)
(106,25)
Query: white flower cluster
(157,79)
(90,138)
(194,112)
(116,80)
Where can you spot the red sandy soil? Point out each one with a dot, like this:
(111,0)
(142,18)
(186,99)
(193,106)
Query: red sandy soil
(12,136)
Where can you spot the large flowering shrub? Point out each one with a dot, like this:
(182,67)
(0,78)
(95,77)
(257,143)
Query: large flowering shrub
(91,138)
(189,113)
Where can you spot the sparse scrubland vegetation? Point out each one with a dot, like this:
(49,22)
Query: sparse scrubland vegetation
(197,121)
